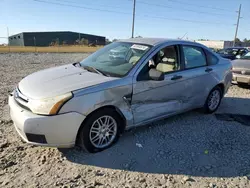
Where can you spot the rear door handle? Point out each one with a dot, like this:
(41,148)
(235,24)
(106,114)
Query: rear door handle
(176,77)
(208,70)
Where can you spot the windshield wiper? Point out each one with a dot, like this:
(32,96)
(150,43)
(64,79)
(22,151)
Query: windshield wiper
(92,69)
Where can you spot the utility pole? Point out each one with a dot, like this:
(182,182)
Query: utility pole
(8,39)
(35,43)
(133,23)
(237,25)
(79,38)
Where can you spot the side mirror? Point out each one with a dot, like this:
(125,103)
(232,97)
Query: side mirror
(238,57)
(156,75)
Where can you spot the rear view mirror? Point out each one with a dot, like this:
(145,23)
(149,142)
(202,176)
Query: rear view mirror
(156,75)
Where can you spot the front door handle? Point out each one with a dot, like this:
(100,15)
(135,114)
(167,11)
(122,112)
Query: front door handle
(208,70)
(176,77)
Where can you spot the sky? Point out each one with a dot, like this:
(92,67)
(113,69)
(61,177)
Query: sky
(193,19)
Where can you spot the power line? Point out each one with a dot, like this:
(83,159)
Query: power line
(202,6)
(83,7)
(118,12)
(184,20)
(179,8)
(245,30)
(77,2)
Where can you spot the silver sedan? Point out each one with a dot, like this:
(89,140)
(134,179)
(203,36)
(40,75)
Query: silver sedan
(241,70)
(90,103)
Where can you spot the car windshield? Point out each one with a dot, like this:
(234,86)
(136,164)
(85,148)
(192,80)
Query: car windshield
(115,59)
(246,56)
(229,51)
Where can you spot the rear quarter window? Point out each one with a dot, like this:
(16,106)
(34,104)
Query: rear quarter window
(211,59)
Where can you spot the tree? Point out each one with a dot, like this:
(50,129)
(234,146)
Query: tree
(114,40)
(84,41)
(138,36)
(54,42)
(246,40)
(64,42)
(107,41)
(237,40)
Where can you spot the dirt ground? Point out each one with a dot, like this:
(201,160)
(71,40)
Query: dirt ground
(188,150)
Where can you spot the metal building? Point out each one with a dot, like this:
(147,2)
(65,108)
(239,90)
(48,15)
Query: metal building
(49,38)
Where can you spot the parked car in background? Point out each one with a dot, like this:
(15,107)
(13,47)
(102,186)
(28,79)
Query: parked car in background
(90,103)
(241,69)
(233,53)
(214,49)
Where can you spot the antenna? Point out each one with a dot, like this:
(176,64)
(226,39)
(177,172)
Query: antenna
(184,35)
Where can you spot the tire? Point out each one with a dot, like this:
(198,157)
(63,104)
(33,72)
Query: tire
(208,108)
(91,126)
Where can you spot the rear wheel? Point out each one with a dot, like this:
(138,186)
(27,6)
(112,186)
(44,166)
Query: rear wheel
(213,100)
(100,131)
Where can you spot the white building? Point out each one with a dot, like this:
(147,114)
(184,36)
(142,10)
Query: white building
(217,44)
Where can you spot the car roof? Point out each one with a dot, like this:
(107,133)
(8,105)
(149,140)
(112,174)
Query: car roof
(152,41)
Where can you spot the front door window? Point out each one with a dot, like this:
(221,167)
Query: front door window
(165,60)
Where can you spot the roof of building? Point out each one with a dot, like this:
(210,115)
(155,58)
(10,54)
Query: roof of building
(151,41)
(54,32)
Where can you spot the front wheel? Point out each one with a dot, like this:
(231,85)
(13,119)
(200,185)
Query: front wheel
(100,131)
(213,100)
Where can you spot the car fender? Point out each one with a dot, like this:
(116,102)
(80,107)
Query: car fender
(114,96)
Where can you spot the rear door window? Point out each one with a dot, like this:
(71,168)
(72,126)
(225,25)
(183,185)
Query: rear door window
(194,57)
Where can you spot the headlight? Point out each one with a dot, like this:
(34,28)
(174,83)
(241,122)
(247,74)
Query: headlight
(49,106)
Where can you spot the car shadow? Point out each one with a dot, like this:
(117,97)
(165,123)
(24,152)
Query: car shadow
(244,86)
(188,144)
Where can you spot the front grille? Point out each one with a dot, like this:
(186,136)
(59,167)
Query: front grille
(21,99)
(19,95)
(21,105)
(243,72)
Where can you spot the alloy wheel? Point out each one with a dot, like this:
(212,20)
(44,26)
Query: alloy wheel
(103,131)
(214,100)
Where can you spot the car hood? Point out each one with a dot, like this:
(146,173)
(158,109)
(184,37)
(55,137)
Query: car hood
(59,80)
(241,64)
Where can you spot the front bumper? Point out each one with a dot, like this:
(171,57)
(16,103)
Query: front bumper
(241,78)
(53,131)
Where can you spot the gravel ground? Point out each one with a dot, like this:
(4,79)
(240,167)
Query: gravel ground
(188,150)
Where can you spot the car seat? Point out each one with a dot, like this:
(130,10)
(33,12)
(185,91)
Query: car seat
(168,62)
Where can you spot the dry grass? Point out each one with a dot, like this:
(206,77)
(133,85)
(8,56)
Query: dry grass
(53,49)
